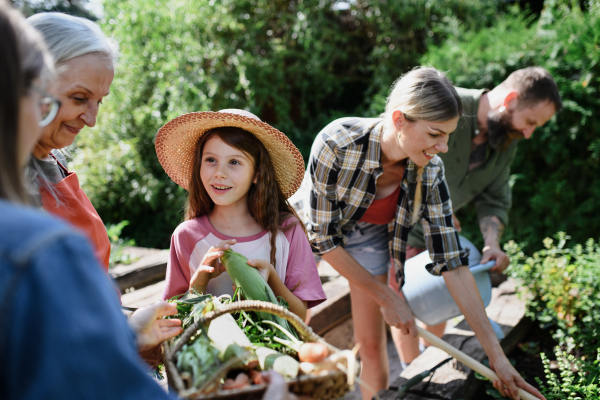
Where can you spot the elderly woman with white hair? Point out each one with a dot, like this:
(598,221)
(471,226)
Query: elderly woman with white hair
(84,59)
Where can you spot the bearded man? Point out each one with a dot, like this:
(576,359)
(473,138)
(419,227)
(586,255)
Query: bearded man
(478,161)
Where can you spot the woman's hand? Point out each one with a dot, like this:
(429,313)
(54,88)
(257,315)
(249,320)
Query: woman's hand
(510,380)
(210,267)
(397,313)
(149,327)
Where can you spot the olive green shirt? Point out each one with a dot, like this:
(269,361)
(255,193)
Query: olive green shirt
(487,184)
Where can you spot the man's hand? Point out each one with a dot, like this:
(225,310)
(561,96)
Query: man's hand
(151,330)
(456,223)
(510,380)
(397,313)
(494,253)
(210,267)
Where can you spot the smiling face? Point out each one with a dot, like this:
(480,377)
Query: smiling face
(517,123)
(422,140)
(527,119)
(227,173)
(82,84)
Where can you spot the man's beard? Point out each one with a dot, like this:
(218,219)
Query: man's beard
(500,130)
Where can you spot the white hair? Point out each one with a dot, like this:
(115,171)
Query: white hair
(68,37)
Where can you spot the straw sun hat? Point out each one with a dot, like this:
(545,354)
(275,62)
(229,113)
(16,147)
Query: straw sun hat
(176,144)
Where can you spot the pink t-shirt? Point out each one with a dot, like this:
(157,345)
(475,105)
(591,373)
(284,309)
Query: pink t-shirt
(295,263)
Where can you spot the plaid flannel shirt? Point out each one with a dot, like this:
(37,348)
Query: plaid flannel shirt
(343,167)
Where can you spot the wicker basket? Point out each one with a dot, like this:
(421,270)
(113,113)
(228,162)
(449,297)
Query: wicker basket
(327,385)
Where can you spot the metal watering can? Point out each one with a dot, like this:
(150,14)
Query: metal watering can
(429,298)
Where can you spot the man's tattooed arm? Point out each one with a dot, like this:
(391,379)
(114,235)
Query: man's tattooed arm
(492,229)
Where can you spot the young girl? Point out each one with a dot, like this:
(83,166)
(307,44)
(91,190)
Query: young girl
(239,173)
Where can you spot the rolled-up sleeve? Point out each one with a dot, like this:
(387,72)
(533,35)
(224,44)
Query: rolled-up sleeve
(441,238)
(324,214)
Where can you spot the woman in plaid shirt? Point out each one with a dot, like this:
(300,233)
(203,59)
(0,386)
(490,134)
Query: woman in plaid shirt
(370,180)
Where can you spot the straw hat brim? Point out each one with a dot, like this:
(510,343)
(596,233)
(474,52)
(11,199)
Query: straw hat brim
(176,145)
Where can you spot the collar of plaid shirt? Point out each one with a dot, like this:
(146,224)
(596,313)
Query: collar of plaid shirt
(354,144)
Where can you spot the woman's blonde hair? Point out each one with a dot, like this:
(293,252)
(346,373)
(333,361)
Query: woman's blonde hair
(424,94)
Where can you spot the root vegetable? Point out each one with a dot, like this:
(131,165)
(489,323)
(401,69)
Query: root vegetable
(283,364)
(312,352)
(256,377)
(241,381)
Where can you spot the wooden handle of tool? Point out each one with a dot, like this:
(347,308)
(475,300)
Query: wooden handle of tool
(467,360)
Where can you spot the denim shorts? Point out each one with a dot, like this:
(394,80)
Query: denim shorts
(368,244)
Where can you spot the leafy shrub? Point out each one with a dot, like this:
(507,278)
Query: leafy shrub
(296,64)
(118,244)
(576,380)
(565,297)
(556,172)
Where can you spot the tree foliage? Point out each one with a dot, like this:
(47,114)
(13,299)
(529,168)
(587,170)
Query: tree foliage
(80,8)
(555,173)
(296,64)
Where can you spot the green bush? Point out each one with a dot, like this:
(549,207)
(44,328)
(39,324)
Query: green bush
(556,172)
(118,255)
(564,296)
(296,64)
(574,382)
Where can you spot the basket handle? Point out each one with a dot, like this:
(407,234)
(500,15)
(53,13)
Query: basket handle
(251,305)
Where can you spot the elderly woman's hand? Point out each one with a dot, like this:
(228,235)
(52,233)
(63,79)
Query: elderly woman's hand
(151,330)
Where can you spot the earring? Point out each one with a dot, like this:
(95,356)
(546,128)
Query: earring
(502,109)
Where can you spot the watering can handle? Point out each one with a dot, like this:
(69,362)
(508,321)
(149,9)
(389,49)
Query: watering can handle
(483,267)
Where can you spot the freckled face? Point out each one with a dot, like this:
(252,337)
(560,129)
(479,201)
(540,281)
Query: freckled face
(227,173)
(422,140)
(82,84)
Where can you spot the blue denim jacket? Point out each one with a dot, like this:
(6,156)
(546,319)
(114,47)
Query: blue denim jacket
(62,333)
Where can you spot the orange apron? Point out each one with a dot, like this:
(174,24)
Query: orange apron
(77,209)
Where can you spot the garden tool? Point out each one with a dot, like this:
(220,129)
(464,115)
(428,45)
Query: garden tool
(467,360)
(418,378)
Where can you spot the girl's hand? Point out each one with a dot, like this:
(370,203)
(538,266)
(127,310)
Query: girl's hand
(210,267)
(263,265)
(279,289)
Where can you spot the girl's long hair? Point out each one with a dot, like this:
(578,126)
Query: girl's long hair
(266,202)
